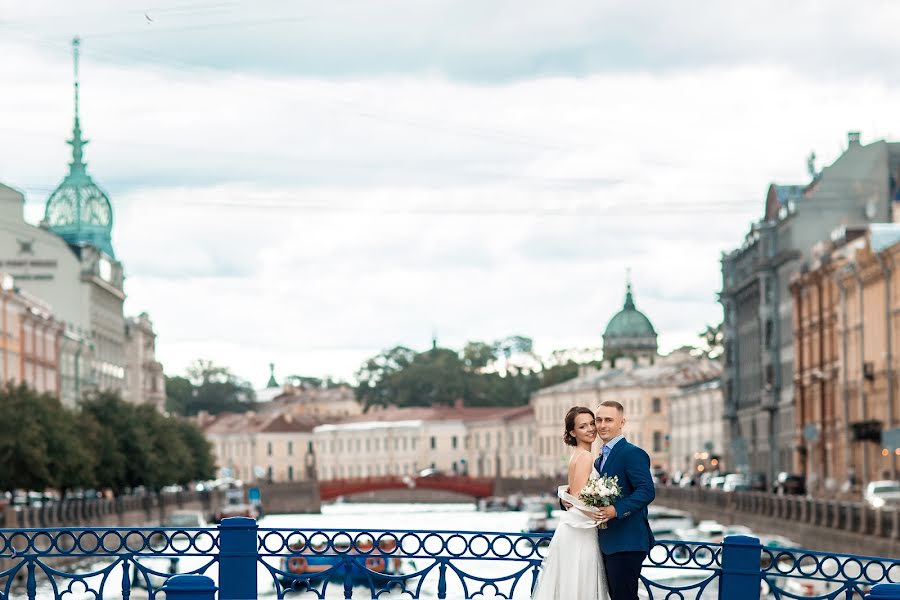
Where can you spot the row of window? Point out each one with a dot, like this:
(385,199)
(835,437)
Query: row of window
(482,468)
(410,443)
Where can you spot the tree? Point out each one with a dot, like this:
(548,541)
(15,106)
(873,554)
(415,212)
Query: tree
(402,377)
(179,394)
(208,387)
(71,461)
(713,341)
(171,461)
(434,377)
(24,457)
(559,373)
(203,464)
(375,387)
(129,436)
(478,355)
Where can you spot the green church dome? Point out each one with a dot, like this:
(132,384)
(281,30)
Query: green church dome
(629,322)
(79,211)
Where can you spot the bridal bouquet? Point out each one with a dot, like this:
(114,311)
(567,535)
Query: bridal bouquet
(602,491)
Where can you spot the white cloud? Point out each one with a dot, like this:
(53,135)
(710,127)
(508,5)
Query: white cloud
(314,221)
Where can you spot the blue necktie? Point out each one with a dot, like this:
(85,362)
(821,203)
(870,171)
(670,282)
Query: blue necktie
(606,450)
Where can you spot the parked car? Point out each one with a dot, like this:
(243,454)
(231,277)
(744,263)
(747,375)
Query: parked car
(758,482)
(881,494)
(736,482)
(789,483)
(717,482)
(185,518)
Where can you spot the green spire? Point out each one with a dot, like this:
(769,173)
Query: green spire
(77,166)
(629,298)
(272,382)
(79,211)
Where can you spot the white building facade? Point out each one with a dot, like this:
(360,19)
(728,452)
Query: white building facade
(697,426)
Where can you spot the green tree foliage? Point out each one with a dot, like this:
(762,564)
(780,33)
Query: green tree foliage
(208,387)
(71,461)
(24,460)
(179,395)
(713,341)
(376,377)
(559,373)
(202,464)
(501,373)
(106,443)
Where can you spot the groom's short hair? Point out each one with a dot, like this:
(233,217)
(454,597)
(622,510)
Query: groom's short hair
(613,404)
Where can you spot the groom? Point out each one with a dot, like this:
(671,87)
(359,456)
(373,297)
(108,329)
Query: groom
(627,539)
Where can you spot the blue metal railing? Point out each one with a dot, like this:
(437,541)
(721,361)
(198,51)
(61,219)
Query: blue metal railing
(238,561)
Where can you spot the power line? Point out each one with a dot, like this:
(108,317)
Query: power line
(353,105)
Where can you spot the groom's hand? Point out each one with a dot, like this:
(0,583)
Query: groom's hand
(607,513)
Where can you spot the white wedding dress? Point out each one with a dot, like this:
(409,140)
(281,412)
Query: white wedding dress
(573,569)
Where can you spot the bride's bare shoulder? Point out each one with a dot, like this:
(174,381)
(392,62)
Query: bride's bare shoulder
(581,457)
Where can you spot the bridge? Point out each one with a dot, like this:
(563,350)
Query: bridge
(239,560)
(469,486)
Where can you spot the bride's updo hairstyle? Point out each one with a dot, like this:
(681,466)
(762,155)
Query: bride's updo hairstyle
(568,438)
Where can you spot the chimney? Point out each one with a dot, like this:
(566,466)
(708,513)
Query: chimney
(852,138)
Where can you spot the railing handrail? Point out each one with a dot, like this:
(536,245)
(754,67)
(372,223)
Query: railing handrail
(238,548)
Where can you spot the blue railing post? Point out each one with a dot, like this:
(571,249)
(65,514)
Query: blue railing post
(884,591)
(237,558)
(741,571)
(190,587)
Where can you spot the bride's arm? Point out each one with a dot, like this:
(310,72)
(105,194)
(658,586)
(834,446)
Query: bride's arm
(580,472)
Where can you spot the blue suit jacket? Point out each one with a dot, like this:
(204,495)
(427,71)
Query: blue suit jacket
(630,530)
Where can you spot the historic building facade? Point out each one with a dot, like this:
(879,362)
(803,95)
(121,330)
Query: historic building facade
(643,389)
(29,340)
(550,406)
(476,441)
(68,262)
(274,447)
(847,298)
(758,380)
(696,427)
(646,392)
(145,382)
(324,403)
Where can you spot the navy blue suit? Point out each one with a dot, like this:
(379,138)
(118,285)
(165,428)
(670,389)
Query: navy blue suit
(627,539)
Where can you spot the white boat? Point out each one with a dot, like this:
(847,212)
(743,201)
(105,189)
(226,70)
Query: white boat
(664,522)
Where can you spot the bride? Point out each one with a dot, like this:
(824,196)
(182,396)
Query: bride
(574,566)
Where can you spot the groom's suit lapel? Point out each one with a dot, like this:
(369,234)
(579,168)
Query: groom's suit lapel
(615,452)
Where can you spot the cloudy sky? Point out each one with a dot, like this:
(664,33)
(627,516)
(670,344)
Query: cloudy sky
(309,183)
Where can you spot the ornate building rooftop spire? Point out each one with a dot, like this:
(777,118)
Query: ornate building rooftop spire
(79,211)
(629,297)
(77,166)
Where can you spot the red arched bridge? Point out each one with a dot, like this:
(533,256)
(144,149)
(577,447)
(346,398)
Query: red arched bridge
(470,486)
